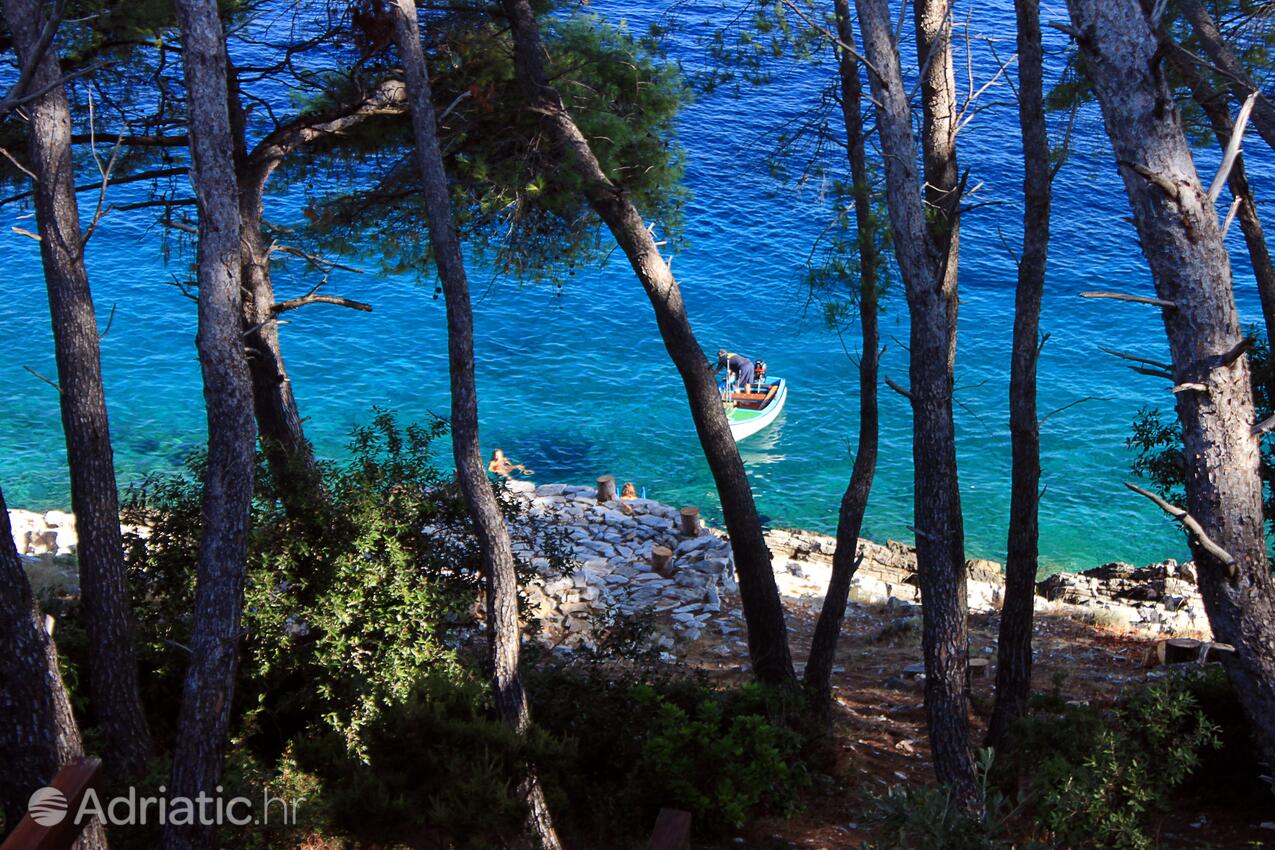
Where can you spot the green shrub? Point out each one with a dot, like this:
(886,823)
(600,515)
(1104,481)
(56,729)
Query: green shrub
(647,739)
(348,602)
(438,763)
(921,817)
(1098,778)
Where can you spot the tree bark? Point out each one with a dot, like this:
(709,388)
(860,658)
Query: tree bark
(763,611)
(1014,647)
(1224,58)
(1214,106)
(112,661)
(1178,231)
(288,453)
(854,502)
(38,734)
(503,629)
(926,243)
(214,643)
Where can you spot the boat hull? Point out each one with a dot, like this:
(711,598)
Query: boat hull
(745,423)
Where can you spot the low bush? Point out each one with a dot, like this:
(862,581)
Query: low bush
(646,740)
(1098,778)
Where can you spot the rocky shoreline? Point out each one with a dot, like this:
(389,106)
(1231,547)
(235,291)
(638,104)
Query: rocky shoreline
(618,545)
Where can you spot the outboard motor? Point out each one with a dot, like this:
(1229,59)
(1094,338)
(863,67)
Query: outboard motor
(759,371)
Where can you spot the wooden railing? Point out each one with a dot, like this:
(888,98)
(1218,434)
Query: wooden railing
(73,781)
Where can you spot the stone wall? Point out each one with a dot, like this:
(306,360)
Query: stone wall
(612,544)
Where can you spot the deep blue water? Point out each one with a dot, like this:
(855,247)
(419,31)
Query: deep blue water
(576,383)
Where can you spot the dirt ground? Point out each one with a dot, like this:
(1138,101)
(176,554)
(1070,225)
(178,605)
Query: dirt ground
(880,720)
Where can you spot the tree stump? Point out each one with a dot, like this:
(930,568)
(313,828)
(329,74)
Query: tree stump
(979,668)
(1181,650)
(606,488)
(690,521)
(662,561)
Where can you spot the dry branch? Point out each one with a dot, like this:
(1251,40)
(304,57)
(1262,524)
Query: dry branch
(294,303)
(889,382)
(1135,299)
(1192,526)
(1232,149)
(1124,355)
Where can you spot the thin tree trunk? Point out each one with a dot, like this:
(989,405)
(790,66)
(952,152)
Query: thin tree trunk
(1014,648)
(925,240)
(1178,230)
(38,734)
(214,643)
(763,611)
(503,630)
(1223,57)
(1215,107)
(854,502)
(279,424)
(288,453)
(112,661)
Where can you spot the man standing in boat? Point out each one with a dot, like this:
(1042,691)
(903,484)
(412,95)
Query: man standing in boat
(739,368)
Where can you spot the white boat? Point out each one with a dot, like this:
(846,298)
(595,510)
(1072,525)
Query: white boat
(749,412)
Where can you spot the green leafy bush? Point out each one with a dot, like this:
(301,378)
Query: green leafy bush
(436,765)
(348,602)
(916,817)
(362,687)
(1098,778)
(646,739)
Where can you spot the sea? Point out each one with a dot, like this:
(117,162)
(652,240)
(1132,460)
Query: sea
(574,380)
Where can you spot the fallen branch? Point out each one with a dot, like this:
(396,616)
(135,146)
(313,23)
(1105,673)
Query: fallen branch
(1193,527)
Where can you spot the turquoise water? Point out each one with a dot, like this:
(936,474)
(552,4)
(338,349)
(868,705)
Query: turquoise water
(576,383)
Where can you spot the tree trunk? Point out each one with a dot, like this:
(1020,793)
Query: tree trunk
(214,643)
(112,662)
(288,453)
(1014,648)
(854,502)
(1223,57)
(925,239)
(763,611)
(503,630)
(1214,106)
(38,734)
(1178,230)
(279,424)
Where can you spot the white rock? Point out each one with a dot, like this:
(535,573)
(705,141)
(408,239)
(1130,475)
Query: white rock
(551,489)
